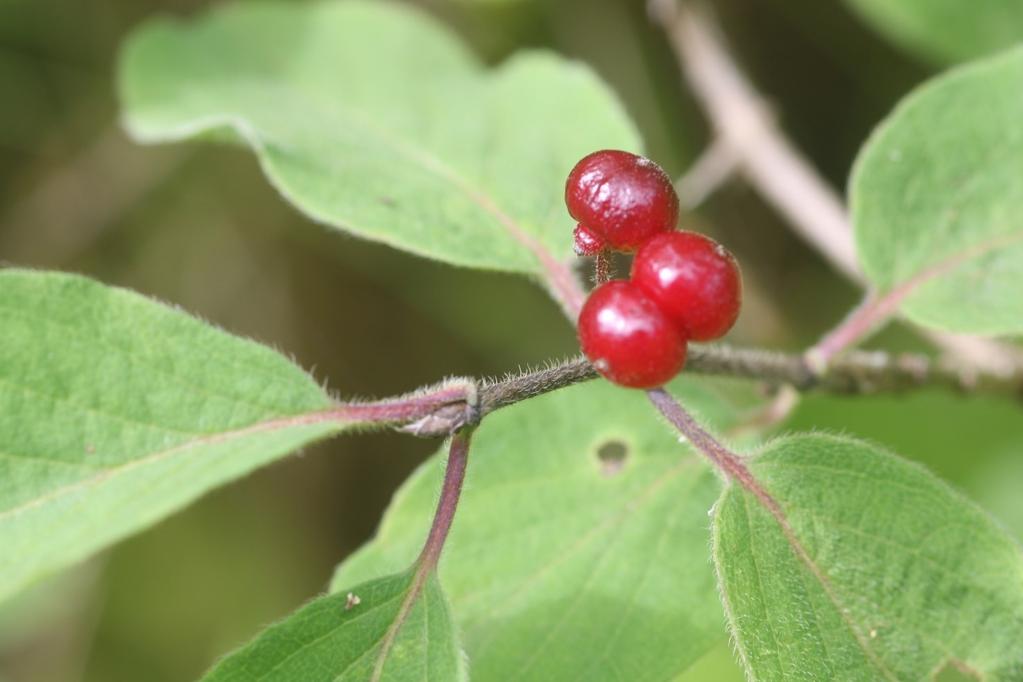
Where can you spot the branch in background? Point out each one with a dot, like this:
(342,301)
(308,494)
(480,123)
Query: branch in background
(984,354)
(771,164)
(68,210)
(712,169)
(774,412)
(743,124)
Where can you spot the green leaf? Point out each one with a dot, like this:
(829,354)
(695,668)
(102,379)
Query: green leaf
(884,572)
(370,117)
(370,632)
(936,198)
(947,30)
(564,566)
(115,411)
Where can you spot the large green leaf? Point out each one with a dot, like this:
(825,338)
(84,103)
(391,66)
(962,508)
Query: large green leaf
(370,117)
(883,572)
(564,566)
(116,411)
(947,30)
(937,200)
(370,632)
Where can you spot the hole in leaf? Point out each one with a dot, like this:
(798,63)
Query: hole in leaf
(954,671)
(612,455)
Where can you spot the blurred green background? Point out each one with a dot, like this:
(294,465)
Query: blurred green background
(198,226)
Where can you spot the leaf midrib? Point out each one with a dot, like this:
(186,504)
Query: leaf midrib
(901,291)
(296,421)
(331,632)
(769,504)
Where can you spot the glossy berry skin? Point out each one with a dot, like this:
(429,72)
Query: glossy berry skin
(622,197)
(628,338)
(693,279)
(586,243)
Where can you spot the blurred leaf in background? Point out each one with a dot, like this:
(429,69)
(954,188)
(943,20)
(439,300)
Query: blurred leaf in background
(935,197)
(371,118)
(946,31)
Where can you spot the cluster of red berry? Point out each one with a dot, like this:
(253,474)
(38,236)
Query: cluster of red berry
(683,286)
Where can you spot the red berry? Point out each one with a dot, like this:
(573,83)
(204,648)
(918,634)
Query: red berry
(587,243)
(628,338)
(694,280)
(622,197)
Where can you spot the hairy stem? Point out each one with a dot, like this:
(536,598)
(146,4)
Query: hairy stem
(497,393)
(451,490)
(725,460)
(729,464)
(413,406)
(426,563)
(442,410)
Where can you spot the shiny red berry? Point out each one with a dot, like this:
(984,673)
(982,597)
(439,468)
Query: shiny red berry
(693,279)
(586,243)
(622,197)
(628,338)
